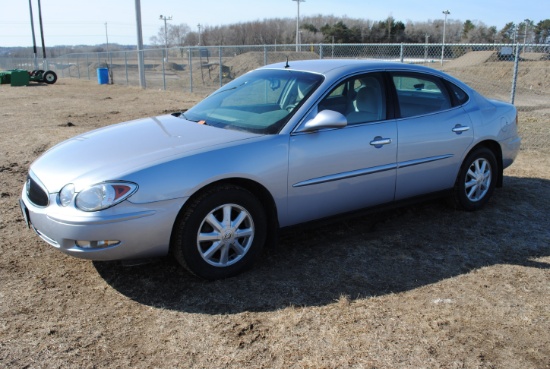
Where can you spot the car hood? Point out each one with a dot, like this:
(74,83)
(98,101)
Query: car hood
(112,152)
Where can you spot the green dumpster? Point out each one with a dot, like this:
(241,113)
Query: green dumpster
(5,77)
(19,77)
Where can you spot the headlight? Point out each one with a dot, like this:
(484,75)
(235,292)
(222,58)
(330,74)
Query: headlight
(66,195)
(104,195)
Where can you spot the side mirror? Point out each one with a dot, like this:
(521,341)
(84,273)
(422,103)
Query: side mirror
(325,119)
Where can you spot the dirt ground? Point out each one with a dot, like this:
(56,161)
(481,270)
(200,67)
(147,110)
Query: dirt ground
(419,287)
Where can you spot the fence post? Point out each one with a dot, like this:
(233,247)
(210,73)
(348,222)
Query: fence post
(401,53)
(320,51)
(163,69)
(88,66)
(77,66)
(515,76)
(221,66)
(111,78)
(190,70)
(126,65)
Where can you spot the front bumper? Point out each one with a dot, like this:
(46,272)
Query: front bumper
(143,230)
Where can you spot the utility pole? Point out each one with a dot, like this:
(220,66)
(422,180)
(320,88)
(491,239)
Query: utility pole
(33,37)
(298,41)
(109,56)
(107,36)
(42,35)
(141,67)
(446,12)
(165,18)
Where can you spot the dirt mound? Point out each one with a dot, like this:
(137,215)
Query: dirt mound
(469,59)
(534,56)
(243,63)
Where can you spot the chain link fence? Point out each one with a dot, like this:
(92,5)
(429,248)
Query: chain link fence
(517,73)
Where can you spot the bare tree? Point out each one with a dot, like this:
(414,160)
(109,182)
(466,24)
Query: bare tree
(176,35)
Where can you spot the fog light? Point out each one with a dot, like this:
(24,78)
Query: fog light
(96,244)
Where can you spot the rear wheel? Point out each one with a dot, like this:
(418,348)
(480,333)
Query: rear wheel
(476,180)
(221,233)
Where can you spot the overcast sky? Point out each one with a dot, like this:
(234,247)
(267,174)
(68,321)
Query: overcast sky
(75,22)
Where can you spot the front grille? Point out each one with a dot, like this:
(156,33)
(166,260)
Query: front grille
(36,193)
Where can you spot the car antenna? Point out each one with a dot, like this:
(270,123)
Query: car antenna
(287,66)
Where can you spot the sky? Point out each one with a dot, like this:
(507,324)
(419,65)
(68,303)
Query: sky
(78,22)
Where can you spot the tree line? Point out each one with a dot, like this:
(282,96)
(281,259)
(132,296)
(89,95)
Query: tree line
(322,29)
(331,29)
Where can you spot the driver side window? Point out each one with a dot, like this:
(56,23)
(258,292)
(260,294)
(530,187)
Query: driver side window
(360,99)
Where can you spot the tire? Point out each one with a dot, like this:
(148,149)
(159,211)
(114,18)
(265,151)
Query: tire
(49,77)
(206,243)
(476,181)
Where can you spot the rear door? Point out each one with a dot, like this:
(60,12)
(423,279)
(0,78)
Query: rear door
(433,135)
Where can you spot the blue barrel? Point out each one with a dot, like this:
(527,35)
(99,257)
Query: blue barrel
(103,76)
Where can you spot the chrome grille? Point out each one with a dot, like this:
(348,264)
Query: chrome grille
(36,193)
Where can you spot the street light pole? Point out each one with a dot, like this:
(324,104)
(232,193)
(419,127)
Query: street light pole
(165,18)
(426,48)
(199,27)
(446,12)
(526,30)
(298,41)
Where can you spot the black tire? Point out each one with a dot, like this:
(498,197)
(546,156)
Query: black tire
(220,252)
(476,181)
(49,77)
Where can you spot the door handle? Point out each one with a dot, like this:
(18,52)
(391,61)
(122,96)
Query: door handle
(458,129)
(379,141)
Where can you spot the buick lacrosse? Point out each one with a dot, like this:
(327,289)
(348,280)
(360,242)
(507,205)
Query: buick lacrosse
(285,144)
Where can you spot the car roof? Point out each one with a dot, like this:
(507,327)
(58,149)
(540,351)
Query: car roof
(339,67)
(324,66)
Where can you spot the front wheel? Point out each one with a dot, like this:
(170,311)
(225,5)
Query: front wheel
(220,233)
(476,180)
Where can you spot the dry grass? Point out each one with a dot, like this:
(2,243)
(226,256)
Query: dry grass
(422,286)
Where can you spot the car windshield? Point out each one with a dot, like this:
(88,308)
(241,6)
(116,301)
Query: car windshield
(261,101)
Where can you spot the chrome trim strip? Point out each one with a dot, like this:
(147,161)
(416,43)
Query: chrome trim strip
(346,175)
(362,172)
(76,220)
(411,163)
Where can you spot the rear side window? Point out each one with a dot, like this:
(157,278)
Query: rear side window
(420,94)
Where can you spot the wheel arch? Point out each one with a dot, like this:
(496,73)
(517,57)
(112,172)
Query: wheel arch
(256,189)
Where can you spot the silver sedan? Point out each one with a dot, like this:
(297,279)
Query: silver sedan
(285,144)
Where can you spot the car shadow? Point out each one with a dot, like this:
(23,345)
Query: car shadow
(387,252)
